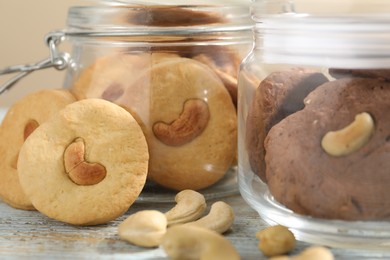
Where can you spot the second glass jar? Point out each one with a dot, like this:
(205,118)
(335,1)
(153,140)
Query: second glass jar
(314,133)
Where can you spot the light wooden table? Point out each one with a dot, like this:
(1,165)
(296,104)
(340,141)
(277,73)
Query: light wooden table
(30,235)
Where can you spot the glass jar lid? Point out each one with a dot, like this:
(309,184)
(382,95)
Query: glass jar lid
(174,2)
(324,8)
(350,33)
(101,20)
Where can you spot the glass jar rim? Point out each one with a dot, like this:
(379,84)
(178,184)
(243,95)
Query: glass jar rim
(320,8)
(144,20)
(296,31)
(170,2)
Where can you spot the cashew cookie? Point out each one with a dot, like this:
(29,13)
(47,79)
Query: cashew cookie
(350,184)
(110,76)
(279,95)
(184,109)
(222,59)
(86,165)
(191,125)
(23,117)
(225,63)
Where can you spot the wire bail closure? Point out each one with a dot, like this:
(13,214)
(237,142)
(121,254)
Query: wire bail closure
(58,60)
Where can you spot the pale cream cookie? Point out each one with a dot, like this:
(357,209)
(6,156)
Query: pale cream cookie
(85,166)
(189,121)
(110,76)
(183,107)
(20,121)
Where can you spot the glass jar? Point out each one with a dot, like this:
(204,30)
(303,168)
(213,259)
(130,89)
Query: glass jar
(314,120)
(175,69)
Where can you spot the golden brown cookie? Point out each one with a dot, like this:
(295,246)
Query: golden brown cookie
(113,77)
(200,145)
(225,63)
(21,119)
(86,165)
(189,121)
(109,76)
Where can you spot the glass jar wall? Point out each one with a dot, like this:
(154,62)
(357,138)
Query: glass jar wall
(174,68)
(314,131)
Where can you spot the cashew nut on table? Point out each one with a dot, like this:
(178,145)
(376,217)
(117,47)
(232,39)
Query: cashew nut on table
(192,242)
(310,253)
(146,228)
(219,219)
(190,205)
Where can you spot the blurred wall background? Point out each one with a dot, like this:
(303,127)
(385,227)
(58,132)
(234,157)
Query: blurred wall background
(23,26)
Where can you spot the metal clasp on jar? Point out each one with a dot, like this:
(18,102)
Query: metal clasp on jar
(58,60)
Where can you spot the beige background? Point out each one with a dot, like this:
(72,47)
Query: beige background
(23,26)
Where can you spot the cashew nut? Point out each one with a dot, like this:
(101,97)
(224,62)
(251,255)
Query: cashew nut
(144,228)
(219,219)
(190,205)
(351,138)
(276,240)
(190,124)
(191,242)
(313,252)
(80,171)
(29,128)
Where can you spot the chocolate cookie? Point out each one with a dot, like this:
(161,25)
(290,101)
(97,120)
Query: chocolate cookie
(307,179)
(278,95)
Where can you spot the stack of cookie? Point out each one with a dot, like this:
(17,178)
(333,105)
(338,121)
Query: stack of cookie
(175,70)
(81,162)
(128,117)
(322,146)
(185,110)
(160,108)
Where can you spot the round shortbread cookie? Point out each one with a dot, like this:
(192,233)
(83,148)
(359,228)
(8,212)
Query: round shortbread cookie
(166,89)
(87,165)
(110,76)
(21,119)
(189,121)
(225,63)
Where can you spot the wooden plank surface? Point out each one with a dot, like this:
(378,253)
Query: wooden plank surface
(31,235)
